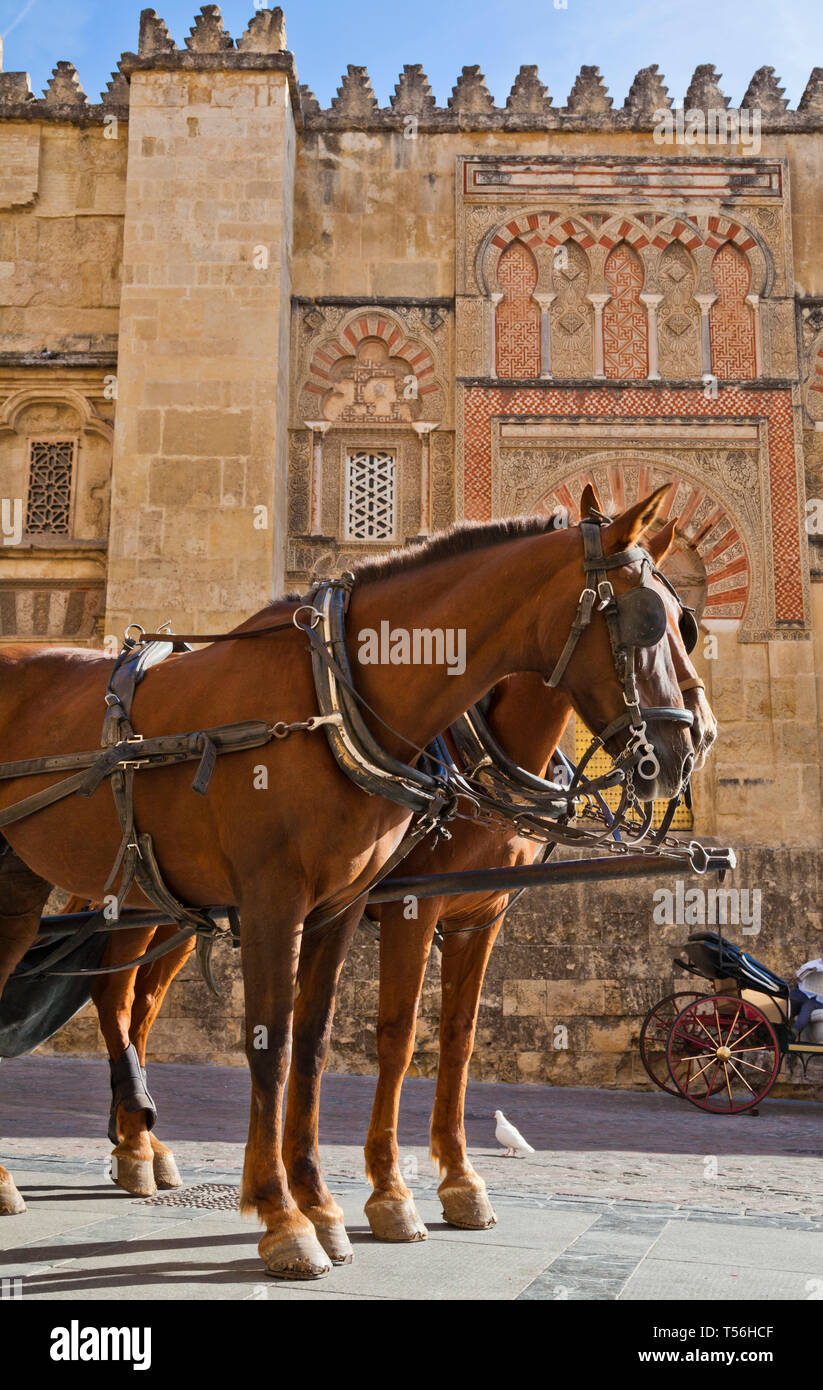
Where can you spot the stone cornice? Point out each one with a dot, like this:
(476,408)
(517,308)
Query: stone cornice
(599,383)
(406,301)
(440,120)
(58,359)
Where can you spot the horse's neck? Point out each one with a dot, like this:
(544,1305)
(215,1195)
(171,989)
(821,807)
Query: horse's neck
(528,719)
(494,596)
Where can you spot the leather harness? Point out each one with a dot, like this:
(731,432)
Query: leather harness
(432,791)
(637,618)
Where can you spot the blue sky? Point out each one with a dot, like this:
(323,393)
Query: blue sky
(619,36)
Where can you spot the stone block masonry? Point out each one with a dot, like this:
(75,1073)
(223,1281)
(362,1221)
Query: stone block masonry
(203,346)
(216,295)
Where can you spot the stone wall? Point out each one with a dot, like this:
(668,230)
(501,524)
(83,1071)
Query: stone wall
(251,283)
(572,975)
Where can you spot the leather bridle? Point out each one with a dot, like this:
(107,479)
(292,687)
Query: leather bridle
(635,619)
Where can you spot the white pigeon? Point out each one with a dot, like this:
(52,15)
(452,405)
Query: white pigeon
(511,1138)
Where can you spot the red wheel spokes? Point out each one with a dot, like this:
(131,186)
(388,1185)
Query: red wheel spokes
(710,1061)
(725,1041)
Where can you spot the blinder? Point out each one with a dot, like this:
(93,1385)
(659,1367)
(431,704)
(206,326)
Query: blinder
(689,631)
(642,617)
(641,614)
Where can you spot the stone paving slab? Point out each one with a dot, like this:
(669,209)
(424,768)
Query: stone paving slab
(618,1144)
(628,1197)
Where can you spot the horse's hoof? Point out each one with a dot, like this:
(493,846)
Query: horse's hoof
(468,1208)
(165,1171)
(335,1242)
(394,1221)
(134,1175)
(11,1203)
(294,1257)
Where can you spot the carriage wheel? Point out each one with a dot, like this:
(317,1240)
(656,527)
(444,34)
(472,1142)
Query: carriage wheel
(654,1036)
(723,1054)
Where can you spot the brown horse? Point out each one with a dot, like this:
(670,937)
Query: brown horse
(512,588)
(527,720)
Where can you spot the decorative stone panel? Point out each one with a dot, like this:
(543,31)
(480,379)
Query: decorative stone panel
(776,536)
(678,317)
(517,328)
(369,364)
(671,203)
(625,324)
(731,327)
(572,319)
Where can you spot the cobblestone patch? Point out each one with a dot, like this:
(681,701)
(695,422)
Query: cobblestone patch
(204,1196)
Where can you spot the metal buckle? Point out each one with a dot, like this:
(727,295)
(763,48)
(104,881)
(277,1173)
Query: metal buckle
(133,762)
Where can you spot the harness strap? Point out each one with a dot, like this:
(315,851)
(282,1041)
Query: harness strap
(31,804)
(216,636)
(154,953)
(159,751)
(582,619)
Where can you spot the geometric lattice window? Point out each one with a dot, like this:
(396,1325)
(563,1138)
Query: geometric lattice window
(625,325)
(731,323)
(51,468)
(370,496)
(518,316)
(600,763)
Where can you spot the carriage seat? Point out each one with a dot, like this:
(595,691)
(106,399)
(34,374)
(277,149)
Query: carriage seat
(712,956)
(775,1009)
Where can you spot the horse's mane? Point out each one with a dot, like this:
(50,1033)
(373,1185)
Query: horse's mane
(459,539)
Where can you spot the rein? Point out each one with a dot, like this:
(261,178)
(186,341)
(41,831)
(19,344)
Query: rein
(535,807)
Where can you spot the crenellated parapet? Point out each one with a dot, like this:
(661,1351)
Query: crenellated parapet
(588,107)
(529,106)
(209,47)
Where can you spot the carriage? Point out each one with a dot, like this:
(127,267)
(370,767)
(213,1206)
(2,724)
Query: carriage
(722,1049)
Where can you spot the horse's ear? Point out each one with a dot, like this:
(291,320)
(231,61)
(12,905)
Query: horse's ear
(626,528)
(659,546)
(589,501)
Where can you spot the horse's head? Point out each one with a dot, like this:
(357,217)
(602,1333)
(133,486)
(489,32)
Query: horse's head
(704,725)
(618,664)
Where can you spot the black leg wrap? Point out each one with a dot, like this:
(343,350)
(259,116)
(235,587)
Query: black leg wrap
(129,1089)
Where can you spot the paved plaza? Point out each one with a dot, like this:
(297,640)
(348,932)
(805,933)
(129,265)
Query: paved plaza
(628,1196)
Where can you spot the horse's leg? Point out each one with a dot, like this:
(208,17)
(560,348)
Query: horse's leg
(462,969)
(271,914)
(321,959)
(132,1160)
(22,898)
(404,950)
(150,988)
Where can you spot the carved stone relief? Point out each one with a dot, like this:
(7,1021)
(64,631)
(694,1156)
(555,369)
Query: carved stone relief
(717,495)
(678,316)
(572,321)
